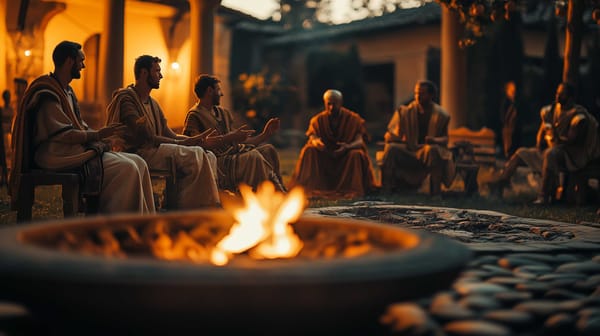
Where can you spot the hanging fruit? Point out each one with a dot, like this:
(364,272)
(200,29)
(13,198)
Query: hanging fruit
(476,9)
(560,9)
(510,6)
(596,15)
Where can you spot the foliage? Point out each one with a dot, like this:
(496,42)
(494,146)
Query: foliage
(477,15)
(261,96)
(307,14)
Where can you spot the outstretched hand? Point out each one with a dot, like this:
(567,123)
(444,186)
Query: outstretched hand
(111,130)
(342,148)
(317,143)
(241,134)
(272,126)
(197,140)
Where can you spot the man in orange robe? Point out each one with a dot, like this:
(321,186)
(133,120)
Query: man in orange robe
(335,162)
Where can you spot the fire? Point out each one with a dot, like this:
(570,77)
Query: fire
(263,227)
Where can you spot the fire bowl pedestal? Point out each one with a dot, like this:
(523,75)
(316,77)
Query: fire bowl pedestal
(86,294)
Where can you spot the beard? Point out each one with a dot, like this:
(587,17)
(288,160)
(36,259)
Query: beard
(153,84)
(75,73)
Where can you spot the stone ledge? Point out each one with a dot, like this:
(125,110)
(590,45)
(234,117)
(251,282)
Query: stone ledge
(538,235)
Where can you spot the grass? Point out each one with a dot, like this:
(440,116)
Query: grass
(516,202)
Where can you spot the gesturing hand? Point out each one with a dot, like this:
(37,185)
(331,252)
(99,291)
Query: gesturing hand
(272,126)
(317,143)
(110,130)
(197,140)
(342,148)
(241,134)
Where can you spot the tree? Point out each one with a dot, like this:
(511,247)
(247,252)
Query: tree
(476,14)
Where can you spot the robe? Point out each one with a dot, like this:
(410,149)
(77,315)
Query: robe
(534,157)
(47,117)
(408,163)
(196,182)
(322,174)
(236,163)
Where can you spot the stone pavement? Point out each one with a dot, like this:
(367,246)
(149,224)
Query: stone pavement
(529,276)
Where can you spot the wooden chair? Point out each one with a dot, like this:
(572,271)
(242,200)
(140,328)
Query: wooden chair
(169,175)
(577,190)
(33,176)
(69,183)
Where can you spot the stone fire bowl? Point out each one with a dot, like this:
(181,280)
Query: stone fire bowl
(81,294)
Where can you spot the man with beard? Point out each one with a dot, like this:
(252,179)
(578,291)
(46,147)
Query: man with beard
(151,138)
(335,162)
(240,158)
(571,134)
(416,144)
(49,133)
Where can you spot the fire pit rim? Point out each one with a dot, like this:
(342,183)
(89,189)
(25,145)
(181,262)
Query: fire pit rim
(17,257)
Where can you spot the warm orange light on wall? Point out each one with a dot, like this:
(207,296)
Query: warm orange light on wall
(27,53)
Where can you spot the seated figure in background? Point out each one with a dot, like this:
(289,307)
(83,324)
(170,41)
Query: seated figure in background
(240,157)
(416,144)
(571,134)
(335,162)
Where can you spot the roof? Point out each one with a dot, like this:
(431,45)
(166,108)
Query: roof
(429,13)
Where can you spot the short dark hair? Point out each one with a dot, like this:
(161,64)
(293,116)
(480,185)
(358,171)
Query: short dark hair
(203,82)
(144,62)
(65,50)
(431,87)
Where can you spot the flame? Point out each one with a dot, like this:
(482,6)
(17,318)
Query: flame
(262,226)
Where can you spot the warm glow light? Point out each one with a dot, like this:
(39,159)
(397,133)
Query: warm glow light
(175,66)
(27,53)
(262,226)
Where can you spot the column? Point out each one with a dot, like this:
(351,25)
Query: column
(202,36)
(574,31)
(110,74)
(3,34)
(454,70)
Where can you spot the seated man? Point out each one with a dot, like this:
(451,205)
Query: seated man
(531,157)
(61,141)
(240,158)
(571,133)
(416,144)
(334,162)
(151,138)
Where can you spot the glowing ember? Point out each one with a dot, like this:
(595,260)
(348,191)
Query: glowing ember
(263,227)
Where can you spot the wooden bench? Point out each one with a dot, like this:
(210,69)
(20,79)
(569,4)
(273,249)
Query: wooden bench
(69,182)
(71,197)
(471,150)
(169,175)
(577,189)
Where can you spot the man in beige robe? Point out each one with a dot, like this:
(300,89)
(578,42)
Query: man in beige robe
(416,144)
(240,157)
(571,133)
(532,157)
(49,120)
(335,162)
(149,136)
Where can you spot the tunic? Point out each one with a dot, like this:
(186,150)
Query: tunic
(236,163)
(407,164)
(48,116)
(322,174)
(196,184)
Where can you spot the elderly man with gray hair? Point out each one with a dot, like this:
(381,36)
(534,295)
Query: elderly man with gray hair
(335,162)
